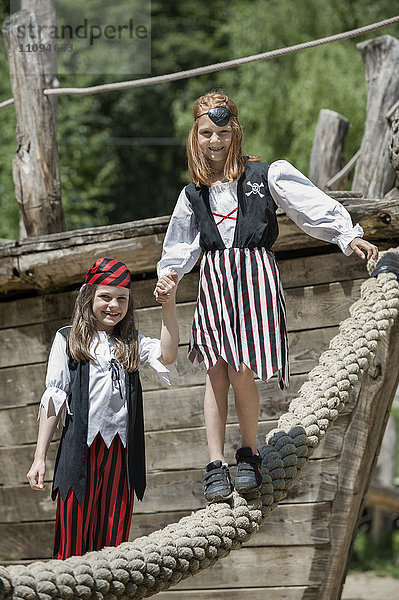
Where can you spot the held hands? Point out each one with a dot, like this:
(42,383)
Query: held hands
(36,473)
(364,249)
(165,289)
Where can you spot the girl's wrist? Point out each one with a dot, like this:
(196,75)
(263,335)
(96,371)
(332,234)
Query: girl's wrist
(40,455)
(169,302)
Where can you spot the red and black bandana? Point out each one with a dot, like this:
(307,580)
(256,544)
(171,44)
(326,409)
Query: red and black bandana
(108,271)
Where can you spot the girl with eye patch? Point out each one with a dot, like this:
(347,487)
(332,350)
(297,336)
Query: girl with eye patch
(228,213)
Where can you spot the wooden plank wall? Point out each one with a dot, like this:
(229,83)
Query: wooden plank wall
(291,550)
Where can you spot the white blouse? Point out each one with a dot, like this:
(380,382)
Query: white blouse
(316,213)
(107,407)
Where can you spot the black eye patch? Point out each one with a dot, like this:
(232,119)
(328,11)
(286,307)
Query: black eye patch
(220,115)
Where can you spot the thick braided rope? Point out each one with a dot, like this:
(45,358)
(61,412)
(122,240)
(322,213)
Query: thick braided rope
(229,64)
(153,563)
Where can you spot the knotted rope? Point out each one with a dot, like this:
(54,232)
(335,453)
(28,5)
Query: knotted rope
(153,563)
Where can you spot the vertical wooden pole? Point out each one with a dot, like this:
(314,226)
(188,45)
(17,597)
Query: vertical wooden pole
(45,15)
(374,175)
(394,148)
(327,157)
(35,165)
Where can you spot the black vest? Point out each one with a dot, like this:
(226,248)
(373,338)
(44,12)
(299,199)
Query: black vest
(70,470)
(256,225)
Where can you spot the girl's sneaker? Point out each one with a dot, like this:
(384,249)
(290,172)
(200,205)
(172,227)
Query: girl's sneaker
(249,471)
(217,482)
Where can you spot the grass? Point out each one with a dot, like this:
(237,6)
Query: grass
(382,558)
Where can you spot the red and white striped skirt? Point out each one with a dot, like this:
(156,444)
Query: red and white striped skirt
(240,313)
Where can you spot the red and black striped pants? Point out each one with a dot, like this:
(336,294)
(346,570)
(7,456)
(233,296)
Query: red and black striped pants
(103,518)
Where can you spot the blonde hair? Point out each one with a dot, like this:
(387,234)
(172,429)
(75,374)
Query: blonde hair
(199,167)
(84,328)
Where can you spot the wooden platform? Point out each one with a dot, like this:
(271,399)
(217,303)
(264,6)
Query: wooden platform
(301,552)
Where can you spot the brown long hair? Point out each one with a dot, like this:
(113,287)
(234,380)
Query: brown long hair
(84,328)
(199,167)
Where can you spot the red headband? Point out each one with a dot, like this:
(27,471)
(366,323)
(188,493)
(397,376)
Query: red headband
(108,271)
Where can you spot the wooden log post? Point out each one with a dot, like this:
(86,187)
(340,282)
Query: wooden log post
(327,157)
(374,174)
(393,118)
(44,11)
(394,138)
(35,165)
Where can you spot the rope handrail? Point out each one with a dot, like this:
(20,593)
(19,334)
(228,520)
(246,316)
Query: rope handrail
(153,563)
(135,83)
(6,103)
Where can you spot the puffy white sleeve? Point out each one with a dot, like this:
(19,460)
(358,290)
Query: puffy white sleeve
(150,352)
(310,208)
(181,248)
(57,379)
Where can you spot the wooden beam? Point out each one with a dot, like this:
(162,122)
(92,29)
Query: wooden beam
(254,593)
(54,262)
(384,498)
(166,489)
(337,181)
(177,449)
(295,273)
(187,448)
(28,377)
(392,110)
(313,307)
(295,525)
(185,409)
(246,567)
(21,504)
(263,566)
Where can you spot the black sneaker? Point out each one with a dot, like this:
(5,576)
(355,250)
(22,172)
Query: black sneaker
(249,471)
(217,482)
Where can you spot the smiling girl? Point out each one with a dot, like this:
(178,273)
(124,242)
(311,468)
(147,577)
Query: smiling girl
(228,213)
(93,386)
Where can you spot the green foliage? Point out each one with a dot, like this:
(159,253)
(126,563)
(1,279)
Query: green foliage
(122,154)
(395,414)
(87,168)
(8,206)
(383,559)
(148,175)
(280,99)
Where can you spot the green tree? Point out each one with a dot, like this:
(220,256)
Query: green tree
(151,153)
(279,100)
(288,93)
(122,155)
